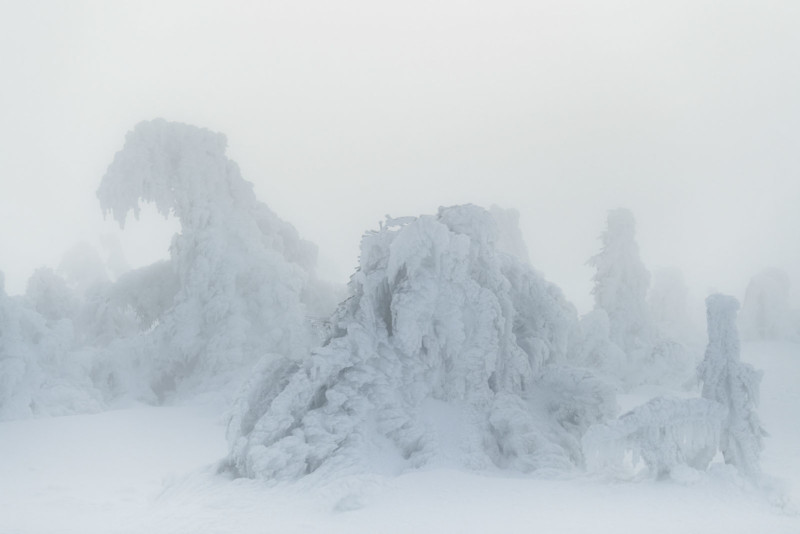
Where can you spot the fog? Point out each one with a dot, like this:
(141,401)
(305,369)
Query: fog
(340,113)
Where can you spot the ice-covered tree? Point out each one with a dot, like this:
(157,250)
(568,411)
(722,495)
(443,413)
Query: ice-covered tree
(446,351)
(663,433)
(41,370)
(653,355)
(766,312)
(620,283)
(242,277)
(733,384)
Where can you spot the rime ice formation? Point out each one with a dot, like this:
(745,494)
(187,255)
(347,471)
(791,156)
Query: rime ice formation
(663,433)
(733,384)
(41,371)
(666,433)
(447,351)
(240,280)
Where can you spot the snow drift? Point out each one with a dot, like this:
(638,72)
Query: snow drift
(446,352)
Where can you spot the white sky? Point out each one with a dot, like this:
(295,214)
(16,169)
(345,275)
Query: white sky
(340,112)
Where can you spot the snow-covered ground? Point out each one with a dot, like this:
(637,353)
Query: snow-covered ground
(153,470)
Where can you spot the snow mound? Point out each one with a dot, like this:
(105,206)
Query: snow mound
(447,352)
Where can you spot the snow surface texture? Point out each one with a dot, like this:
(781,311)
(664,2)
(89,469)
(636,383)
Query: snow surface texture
(240,281)
(733,384)
(146,470)
(448,352)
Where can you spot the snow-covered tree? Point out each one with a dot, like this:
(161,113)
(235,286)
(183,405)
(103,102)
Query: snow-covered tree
(40,372)
(664,433)
(447,351)
(733,384)
(620,283)
(766,312)
(654,355)
(242,276)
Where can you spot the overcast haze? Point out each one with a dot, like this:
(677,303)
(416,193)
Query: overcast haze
(341,112)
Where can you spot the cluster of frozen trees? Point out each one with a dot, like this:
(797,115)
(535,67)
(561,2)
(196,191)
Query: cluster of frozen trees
(630,338)
(447,349)
(239,285)
(666,433)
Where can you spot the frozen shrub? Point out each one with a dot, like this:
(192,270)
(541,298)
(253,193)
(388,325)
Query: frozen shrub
(663,433)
